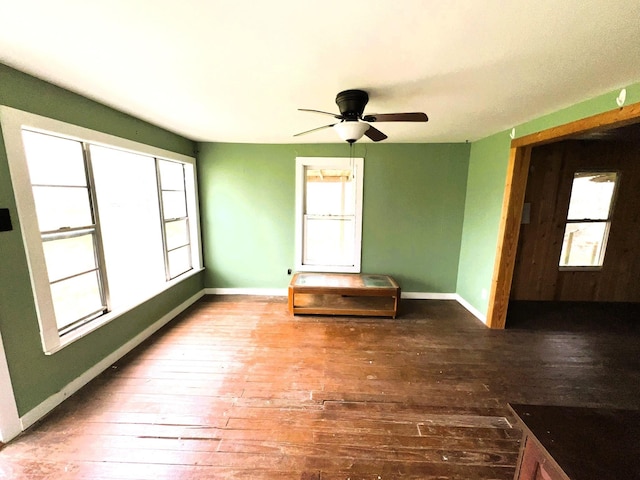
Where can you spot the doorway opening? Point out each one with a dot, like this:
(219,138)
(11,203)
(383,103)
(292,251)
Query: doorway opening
(514,194)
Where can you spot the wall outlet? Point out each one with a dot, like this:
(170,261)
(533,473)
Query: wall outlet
(483,293)
(288,271)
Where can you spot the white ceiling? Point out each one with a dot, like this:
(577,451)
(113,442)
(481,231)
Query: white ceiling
(238,70)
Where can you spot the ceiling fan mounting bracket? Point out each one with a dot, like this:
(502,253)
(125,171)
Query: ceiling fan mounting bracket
(351,103)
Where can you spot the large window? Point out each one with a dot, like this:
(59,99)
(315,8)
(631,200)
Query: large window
(329,214)
(107,223)
(588,219)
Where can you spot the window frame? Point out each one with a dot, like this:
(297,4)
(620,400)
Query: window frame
(92,228)
(12,122)
(607,222)
(326,163)
(166,221)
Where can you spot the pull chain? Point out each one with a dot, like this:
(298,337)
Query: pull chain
(351,158)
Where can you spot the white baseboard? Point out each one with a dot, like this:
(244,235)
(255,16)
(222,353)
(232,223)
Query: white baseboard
(446,296)
(473,310)
(283,292)
(267,292)
(53,401)
(427,296)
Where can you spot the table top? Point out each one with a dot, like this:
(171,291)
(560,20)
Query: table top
(586,443)
(343,280)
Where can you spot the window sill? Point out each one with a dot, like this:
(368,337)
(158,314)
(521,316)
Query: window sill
(327,269)
(85,330)
(580,269)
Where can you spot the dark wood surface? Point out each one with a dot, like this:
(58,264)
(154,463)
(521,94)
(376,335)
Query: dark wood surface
(586,443)
(237,388)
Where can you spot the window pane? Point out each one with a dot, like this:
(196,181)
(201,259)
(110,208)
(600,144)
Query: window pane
(591,195)
(127,197)
(174,204)
(76,298)
(54,160)
(59,207)
(329,192)
(179,261)
(583,244)
(177,234)
(329,241)
(69,256)
(171,175)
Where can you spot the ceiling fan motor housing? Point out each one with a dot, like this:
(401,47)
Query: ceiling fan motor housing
(351,103)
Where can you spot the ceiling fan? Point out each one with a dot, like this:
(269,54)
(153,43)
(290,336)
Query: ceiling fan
(353,124)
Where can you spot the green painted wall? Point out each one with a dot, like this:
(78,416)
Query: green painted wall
(36,376)
(593,106)
(412,212)
(485,188)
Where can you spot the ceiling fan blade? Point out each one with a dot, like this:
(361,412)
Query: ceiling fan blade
(334,115)
(313,130)
(375,134)
(397,117)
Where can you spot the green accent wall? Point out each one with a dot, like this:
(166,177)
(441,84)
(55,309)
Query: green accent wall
(485,188)
(413,210)
(36,376)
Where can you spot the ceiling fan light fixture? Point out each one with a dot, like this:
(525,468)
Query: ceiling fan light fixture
(351,131)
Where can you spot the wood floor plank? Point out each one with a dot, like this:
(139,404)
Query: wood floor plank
(236,388)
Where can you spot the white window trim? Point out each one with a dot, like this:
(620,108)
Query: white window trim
(12,122)
(328,163)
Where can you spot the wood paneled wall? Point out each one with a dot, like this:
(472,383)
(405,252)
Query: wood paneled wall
(536,275)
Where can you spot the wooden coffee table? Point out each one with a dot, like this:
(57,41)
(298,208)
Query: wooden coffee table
(344,294)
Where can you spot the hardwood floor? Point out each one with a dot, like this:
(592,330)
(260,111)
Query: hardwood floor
(238,388)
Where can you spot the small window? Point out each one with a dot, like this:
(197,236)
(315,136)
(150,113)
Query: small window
(588,219)
(329,214)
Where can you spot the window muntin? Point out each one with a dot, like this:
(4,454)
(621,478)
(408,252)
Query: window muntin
(330,240)
(77,300)
(54,160)
(329,214)
(57,334)
(330,192)
(62,206)
(179,261)
(588,219)
(68,254)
